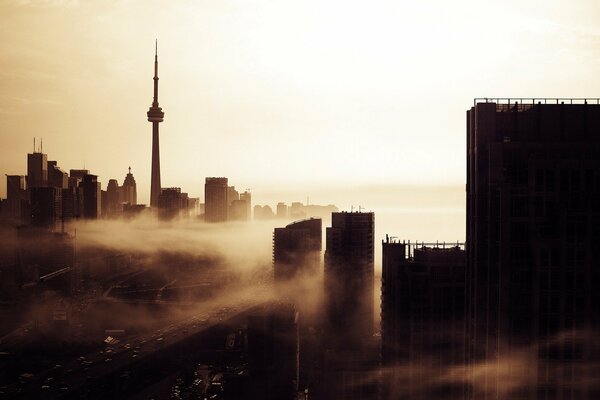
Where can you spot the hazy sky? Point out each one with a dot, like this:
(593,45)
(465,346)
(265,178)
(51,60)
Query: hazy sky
(264,92)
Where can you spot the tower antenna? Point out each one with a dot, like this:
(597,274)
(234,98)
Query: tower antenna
(34,144)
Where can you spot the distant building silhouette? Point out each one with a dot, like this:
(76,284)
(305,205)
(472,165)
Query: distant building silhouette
(282,211)
(533,223)
(16,198)
(46,206)
(129,190)
(172,203)
(349,274)
(246,197)
(297,249)
(156,116)
(263,212)
(91,200)
(57,177)
(422,320)
(113,207)
(37,170)
(215,198)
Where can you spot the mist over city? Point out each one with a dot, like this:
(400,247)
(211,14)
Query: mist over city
(300,200)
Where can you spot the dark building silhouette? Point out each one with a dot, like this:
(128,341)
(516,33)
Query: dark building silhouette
(37,170)
(215,200)
(422,320)
(57,177)
(112,207)
(273,352)
(349,269)
(90,200)
(172,203)
(297,249)
(129,190)
(533,221)
(155,115)
(16,198)
(45,206)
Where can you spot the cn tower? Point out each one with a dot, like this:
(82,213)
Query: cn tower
(155,115)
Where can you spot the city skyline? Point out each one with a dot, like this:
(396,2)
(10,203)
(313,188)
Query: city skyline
(258,87)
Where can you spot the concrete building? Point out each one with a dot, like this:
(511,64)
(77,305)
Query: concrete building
(37,170)
(297,249)
(172,203)
(349,274)
(215,199)
(273,352)
(90,197)
(422,320)
(45,206)
(16,199)
(533,221)
(128,193)
(57,177)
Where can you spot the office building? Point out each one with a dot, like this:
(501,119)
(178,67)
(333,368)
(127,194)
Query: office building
(57,177)
(246,197)
(90,200)
(37,170)
(129,190)
(349,269)
(16,199)
(45,206)
(215,199)
(273,352)
(422,320)
(533,221)
(172,203)
(297,249)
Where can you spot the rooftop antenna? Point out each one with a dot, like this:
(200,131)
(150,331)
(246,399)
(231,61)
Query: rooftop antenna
(34,144)
(130,170)
(41,145)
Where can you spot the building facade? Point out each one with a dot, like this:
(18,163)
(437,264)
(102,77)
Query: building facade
(215,199)
(533,216)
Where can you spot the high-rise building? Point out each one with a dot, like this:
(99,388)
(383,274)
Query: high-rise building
(16,198)
(349,274)
(113,207)
(45,206)
(37,170)
(57,177)
(129,189)
(156,116)
(215,199)
(172,203)
(90,197)
(422,320)
(297,249)
(533,221)
(273,352)
(282,210)
(246,196)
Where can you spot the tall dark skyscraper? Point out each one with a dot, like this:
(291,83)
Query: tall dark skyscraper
(422,320)
(155,115)
(533,224)
(349,269)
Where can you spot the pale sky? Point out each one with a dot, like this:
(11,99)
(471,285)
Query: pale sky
(278,92)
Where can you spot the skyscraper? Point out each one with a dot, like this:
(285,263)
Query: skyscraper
(533,221)
(215,200)
(155,115)
(297,249)
(349,269)
(422,320)
(37,170)
(92,200)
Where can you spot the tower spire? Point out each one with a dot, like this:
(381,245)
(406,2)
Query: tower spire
(155,115)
